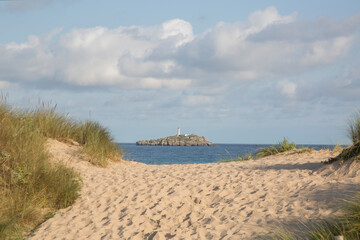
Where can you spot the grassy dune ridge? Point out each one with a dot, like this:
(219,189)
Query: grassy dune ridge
(96,140)
(348,224)
(31,187)
(284,146)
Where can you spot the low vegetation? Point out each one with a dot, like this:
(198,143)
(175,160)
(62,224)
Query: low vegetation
(238,158)
(337,148)
(96,140)
(283,146)
(348,224)
(352,152)
(354,128)
(31,187)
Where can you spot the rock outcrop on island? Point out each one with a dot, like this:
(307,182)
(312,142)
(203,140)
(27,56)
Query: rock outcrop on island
(191,140)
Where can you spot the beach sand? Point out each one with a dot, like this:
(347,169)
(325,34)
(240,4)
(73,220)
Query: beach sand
(236,200)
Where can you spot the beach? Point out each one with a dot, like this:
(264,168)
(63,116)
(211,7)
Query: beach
(235,200)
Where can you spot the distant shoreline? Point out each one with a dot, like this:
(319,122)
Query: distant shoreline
(194,155)
(260,144)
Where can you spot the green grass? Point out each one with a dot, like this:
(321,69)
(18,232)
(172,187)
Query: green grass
(348,224)
(238,158)
(351,152)
(283,146)
(303,149)
(354,127)
(96,140)
(337,148)
(31,187)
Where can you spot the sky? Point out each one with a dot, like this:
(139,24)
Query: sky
(232,71)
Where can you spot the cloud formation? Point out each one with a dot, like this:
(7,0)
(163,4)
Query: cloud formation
(169,56)
(24,5)
(3,84)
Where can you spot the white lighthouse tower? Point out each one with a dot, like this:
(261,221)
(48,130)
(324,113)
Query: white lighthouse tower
(178,132)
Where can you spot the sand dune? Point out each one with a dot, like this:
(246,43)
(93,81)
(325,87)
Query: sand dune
(236,200)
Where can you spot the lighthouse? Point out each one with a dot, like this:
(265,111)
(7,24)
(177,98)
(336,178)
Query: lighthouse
(178,132)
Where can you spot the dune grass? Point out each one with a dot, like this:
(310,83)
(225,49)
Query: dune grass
(283,146)
(338,148)
(245,157)
(353,151)
(348,224)
(96,140)
(31,187)
(354,128)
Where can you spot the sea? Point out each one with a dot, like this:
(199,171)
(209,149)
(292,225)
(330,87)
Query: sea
(189,155)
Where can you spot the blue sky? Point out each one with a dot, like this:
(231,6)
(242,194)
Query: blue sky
(233,71)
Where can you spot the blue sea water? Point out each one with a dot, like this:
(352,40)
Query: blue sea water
(189,155)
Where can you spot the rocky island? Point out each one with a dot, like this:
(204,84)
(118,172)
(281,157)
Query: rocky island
(178,140)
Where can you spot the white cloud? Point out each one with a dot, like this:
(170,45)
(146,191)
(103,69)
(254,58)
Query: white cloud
(153,83)
(24,5)
(171,56)
(287,88)
(261,19)
(4,84)
(29,61)
(177,28)
(326,51)
(196,101)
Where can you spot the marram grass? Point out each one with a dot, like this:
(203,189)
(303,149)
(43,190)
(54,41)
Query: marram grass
(284,146)
(98,144)
(238,158)
(32,188)
(348,224)
(96,140)
(354,127)
(337,148)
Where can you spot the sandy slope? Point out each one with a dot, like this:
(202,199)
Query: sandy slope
(238,200)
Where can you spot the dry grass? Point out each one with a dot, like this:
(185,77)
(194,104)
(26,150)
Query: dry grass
(243,158)
(348,224)
(96,140)
(354,127)
(283,146)
(32,188)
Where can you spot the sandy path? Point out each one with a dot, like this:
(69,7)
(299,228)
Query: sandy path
(238,200)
